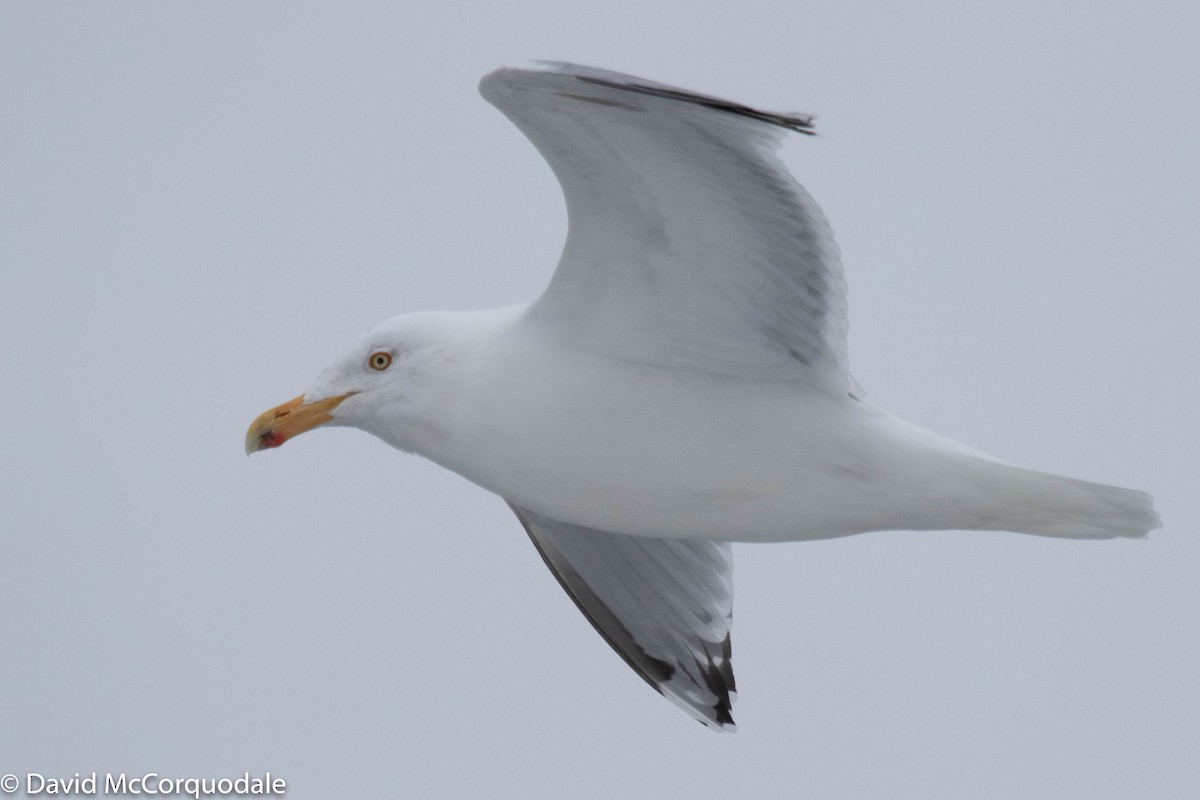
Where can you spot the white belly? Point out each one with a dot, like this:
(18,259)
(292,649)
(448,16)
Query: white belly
(658,452)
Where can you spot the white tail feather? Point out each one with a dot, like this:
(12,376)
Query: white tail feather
(1043,504)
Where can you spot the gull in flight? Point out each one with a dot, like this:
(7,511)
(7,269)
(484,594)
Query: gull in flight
(681,383)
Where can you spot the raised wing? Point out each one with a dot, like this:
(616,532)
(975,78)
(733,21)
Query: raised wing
(689,244)
(665,605)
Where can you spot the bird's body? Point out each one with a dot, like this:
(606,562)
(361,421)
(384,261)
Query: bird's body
(681,384)
(650,460)
(675,453)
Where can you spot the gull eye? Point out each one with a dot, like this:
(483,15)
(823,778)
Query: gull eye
(380,361)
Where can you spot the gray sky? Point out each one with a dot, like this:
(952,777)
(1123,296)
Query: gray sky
(204,202)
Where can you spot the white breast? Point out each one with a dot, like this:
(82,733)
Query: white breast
(653,451)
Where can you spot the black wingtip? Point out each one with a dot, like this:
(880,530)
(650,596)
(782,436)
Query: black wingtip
(709,668)
(718,676)
(797,122)
(800,123)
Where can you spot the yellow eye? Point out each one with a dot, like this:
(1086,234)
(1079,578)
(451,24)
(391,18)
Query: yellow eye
(380,360)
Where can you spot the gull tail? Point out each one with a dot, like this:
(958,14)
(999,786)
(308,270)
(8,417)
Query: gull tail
(1043,504)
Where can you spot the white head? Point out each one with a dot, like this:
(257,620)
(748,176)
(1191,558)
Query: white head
(379,385)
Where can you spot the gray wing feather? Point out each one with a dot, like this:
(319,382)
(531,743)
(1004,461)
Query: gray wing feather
(665,605)
(689,243)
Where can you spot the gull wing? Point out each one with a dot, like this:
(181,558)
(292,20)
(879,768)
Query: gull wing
(689,243)
(664,605)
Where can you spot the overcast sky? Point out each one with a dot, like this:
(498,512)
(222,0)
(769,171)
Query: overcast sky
(203,202)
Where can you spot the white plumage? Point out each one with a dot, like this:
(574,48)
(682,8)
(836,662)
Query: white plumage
(682,382)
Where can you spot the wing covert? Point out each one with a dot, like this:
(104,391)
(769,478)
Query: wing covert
(689,244)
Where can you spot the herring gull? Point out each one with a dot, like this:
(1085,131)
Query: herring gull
(681,384)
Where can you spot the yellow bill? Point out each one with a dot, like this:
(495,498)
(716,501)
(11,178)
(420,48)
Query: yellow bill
(274,427)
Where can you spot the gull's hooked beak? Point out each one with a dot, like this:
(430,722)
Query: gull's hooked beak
(273,428)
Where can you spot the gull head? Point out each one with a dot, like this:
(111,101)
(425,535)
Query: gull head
(376,385)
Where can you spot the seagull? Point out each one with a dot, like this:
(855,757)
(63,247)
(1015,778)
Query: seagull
(682,382)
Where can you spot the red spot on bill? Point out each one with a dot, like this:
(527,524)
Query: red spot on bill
(271,438)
